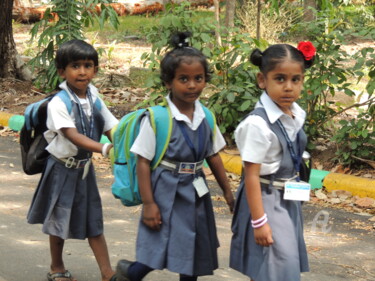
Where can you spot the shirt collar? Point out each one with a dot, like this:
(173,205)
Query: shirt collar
(93,90)
(197,117)
(274,112)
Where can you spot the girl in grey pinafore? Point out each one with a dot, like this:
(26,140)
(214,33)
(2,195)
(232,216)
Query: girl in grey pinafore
(287,257)
(177,227)
(267,242)
(66,205)
(187,242)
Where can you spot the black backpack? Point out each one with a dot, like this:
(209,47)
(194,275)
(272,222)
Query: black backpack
(32,141)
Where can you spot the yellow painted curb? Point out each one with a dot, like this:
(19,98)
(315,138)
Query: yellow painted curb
(232,163)
(356,185)
(4,118)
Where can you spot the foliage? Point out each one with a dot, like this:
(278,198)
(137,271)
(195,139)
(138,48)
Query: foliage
(274,24)
(72,16)
(232,91)
(356,137)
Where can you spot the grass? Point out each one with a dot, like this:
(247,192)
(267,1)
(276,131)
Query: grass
(134,25)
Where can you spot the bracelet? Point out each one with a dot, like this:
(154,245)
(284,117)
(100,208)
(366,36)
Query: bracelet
(260,219)
(260,224)
(104,149)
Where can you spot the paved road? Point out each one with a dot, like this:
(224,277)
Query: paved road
(341,245)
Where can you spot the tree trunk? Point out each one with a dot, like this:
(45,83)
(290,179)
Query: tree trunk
(309,14)
(11,65)
(259,7)
(229,14)
(217,17)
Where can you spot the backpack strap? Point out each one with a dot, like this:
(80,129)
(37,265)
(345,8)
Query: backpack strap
(211,119)
(66,99)
(161,123)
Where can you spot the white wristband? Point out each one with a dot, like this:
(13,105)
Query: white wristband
(104,149)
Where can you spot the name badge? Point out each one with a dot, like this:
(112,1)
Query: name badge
(200,186)
(299,191)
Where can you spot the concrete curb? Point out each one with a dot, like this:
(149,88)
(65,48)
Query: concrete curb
(331,181)
(233,164)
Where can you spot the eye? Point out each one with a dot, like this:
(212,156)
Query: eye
(183,79)
(199,78)
(296,79)
(280,78)
(75,65)
(89,65)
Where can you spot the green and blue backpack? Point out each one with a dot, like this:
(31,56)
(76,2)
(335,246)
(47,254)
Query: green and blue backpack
(124,163)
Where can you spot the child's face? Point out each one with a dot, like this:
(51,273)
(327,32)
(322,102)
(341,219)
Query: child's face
(78,75)
(283,84)
(188,82)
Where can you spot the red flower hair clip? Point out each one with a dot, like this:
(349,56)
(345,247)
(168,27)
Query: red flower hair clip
(307,49)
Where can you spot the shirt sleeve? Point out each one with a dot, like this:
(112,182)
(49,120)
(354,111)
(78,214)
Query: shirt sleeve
(58,116)
(218,141)
(145,143)
(253,138)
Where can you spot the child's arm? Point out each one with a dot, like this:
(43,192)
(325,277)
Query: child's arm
(83,141)
(263,234)
(217,168)
(151,213)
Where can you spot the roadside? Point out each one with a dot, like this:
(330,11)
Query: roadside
(340,243)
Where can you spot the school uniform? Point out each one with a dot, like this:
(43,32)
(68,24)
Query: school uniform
(68,205)
(260,140)
(187,241)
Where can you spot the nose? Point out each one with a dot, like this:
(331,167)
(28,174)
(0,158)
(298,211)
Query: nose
(288,85)
(191,84)
(82,70)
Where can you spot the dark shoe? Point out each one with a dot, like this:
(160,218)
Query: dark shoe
(122,270)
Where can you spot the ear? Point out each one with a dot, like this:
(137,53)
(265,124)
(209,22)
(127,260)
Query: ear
(168,86)
(96,69)
(261,80)
(61,72)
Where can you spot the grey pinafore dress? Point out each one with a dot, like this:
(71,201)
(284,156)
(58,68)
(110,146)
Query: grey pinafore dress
(187,241)
(66,205)
(287,257)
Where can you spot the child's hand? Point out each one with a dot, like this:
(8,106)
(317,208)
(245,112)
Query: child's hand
(228,195)
(263,235)
(151,216)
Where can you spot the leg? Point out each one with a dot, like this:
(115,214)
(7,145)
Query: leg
(188,278)
(132,271)
(100,250)
(58,271)
(56,245)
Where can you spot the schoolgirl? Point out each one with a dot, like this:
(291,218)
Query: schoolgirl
(268,242)
(67,201)
(177,228)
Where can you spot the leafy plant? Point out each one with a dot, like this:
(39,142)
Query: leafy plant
(232,91)
(72,16)
(356,137)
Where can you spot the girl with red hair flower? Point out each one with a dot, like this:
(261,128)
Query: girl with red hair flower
(267,242)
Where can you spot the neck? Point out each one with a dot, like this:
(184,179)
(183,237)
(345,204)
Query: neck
(185,108)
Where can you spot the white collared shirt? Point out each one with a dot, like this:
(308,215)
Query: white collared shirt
(145,143)
(58,117)
(257,143)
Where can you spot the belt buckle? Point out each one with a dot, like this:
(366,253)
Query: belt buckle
(69,163)
(187,168)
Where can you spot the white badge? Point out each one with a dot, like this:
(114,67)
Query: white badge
(200,186)
(299,191)
(86,169)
